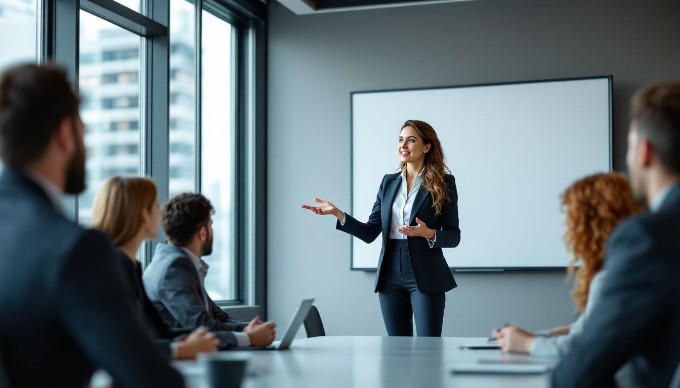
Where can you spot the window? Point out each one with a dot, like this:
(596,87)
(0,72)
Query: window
(19,29)
(18,20)
(185,140)
(135,5)
(111,114)
(217,152)
(182,136)
(120,78)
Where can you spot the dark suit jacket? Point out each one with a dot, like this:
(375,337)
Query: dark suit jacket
(61,310)
(430,269)
(173,285)
(638,318)
(136,295)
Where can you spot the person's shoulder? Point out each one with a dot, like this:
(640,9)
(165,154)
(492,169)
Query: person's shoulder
(167,256)
(123,260)
(90,240)
(660,224)
(388,178)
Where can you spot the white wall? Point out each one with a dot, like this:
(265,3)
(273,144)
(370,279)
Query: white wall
(315,61)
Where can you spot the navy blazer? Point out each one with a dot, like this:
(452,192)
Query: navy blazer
(637,321)
(429,266)
(62,312)
(136,294)
(172,284)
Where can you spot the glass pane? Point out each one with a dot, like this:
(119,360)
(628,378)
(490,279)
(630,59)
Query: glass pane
(19,31)
(18,20)
(110,88)
(217,181)
(135,5)
(182,98)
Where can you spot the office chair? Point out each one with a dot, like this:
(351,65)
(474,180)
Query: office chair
(676,378)
(313,324)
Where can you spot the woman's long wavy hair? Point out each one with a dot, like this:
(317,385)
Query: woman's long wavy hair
(594,206)
(435,165)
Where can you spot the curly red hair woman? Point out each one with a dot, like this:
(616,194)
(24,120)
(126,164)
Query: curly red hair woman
(594,205)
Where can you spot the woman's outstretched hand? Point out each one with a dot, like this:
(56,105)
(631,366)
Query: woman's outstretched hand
(420,230)
(325,208)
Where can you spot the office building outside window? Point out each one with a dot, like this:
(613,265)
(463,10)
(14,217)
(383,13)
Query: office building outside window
(182,131)
(19,31)
(110,89)
(110,81)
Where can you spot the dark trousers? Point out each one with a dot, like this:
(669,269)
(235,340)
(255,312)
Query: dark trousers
(400,300)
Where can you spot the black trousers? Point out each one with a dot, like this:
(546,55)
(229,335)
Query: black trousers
(400,299)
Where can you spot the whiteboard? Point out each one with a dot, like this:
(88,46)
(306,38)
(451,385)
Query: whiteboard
(513,149)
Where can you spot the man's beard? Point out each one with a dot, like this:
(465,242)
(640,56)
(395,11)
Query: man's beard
(207,248)
(75,173)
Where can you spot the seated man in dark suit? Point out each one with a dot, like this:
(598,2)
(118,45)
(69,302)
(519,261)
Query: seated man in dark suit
(637,321)
(61,310)
(174,279)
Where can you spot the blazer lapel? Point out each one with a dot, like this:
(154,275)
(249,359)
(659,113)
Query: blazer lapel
(418,202)
(388,198)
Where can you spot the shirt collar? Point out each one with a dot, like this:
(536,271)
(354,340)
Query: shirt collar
(656,203)
(53,193)
(418,177)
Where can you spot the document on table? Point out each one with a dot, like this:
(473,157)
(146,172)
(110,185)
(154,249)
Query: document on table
(501,367)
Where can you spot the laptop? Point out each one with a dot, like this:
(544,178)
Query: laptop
(299,316)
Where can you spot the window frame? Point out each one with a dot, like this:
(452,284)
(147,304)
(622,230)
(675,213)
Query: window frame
(59,43)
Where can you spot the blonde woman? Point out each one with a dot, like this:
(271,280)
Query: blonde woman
(127,210)
(416,211)
(594,206)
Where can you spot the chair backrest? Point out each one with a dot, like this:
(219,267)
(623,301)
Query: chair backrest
(313,324)
(676,378)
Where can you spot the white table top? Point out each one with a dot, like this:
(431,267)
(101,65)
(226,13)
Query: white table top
(385,362)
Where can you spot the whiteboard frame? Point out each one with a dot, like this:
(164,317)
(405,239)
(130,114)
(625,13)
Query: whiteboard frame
(610,82)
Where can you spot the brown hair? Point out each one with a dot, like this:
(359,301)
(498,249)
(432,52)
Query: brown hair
(435,165)
(594,206)
(183,215)
(656,112)
(34,99)
(119,206)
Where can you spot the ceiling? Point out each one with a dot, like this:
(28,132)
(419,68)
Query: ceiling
(305,7)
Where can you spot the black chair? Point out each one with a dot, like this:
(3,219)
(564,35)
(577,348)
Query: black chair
(313,324)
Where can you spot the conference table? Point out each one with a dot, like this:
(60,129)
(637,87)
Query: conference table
(380,362)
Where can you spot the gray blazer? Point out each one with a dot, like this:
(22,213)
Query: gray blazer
(172,284)
(638,316)
(559,345)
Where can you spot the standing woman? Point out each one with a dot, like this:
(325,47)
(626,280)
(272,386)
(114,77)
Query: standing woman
(126,210)
(417,213)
